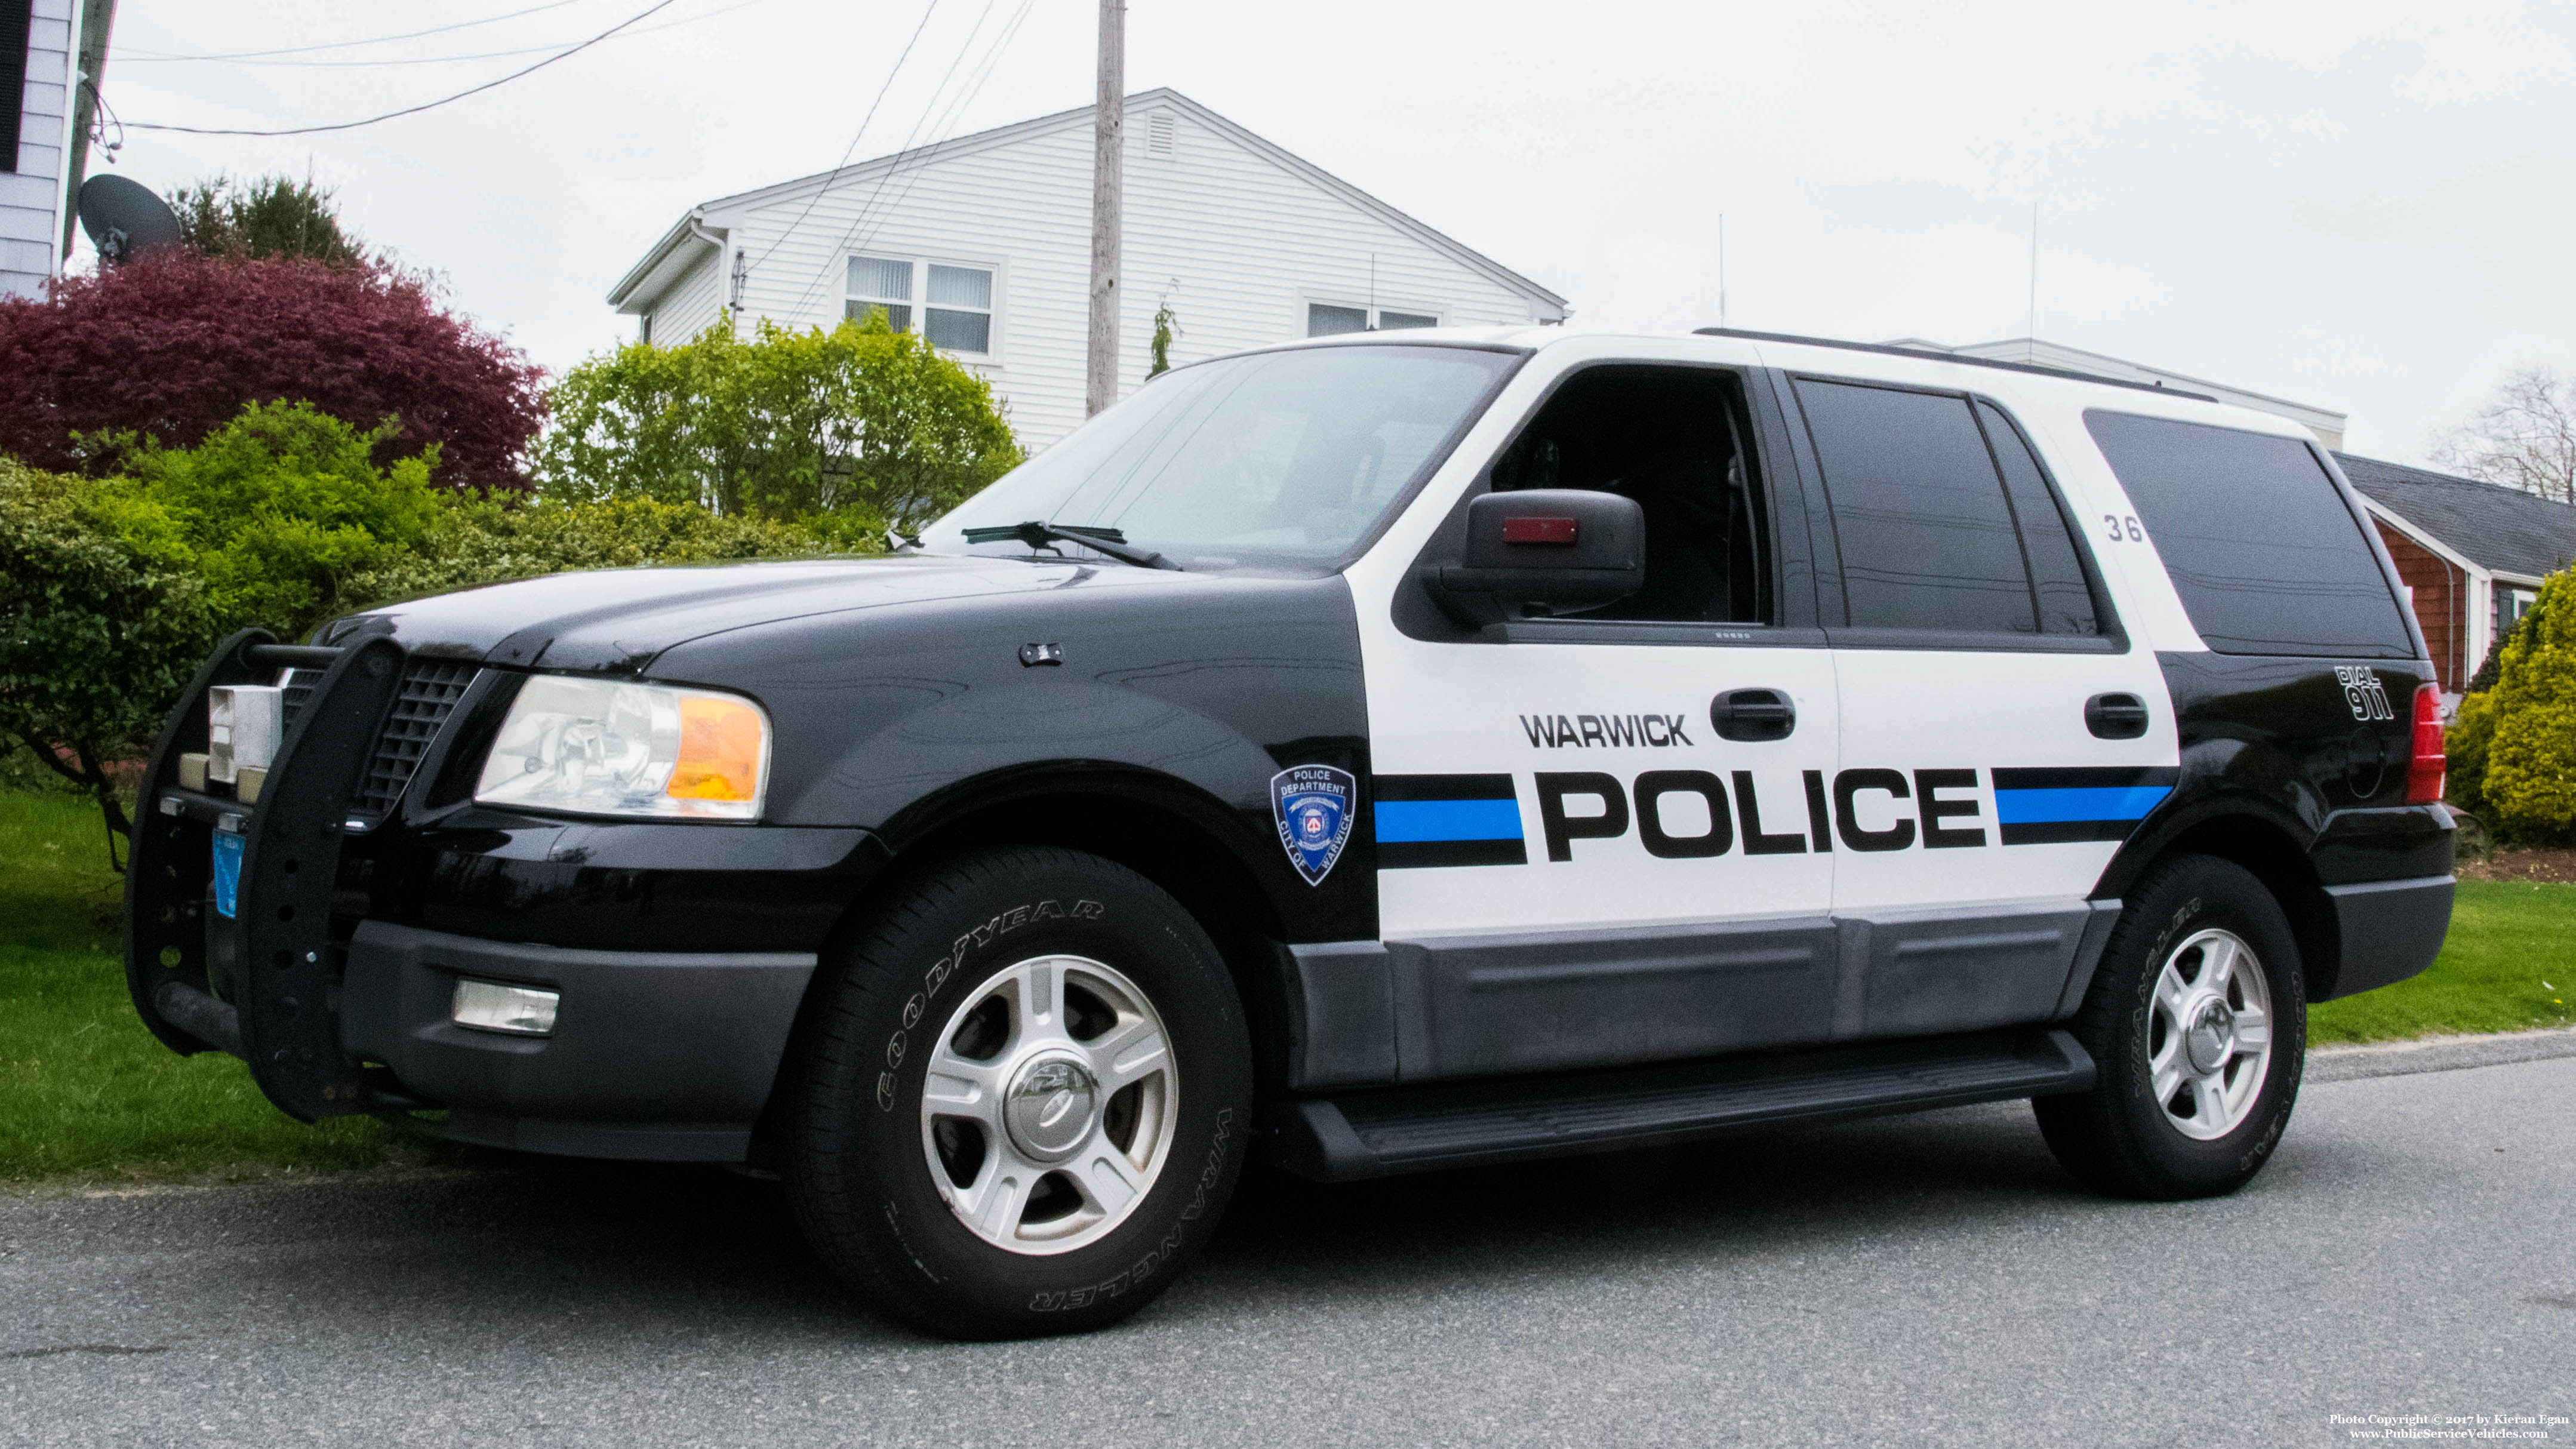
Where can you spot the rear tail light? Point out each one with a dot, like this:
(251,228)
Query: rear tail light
(2424,772)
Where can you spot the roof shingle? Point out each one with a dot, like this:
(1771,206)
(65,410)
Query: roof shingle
(2500,529)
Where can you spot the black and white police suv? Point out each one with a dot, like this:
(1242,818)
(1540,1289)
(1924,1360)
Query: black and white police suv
(1382,754)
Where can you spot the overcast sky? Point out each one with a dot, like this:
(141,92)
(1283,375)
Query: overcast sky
(2362,205)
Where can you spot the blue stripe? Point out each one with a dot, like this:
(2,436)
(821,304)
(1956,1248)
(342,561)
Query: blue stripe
(1409,820)
(2033,807)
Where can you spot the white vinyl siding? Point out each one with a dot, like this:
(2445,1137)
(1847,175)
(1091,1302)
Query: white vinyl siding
(31,192)
(1236,242)
(692,304)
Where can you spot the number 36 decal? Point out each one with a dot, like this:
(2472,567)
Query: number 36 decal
(2123,527)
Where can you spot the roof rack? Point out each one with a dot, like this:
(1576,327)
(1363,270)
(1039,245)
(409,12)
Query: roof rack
(2159,389)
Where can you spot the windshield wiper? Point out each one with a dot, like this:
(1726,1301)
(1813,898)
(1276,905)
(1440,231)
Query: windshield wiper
(1110,541)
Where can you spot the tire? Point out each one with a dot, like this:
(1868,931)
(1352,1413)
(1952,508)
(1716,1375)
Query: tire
(2179,1112)
(1007,969)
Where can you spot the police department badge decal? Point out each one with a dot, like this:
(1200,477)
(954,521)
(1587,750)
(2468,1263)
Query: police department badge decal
(1313,805)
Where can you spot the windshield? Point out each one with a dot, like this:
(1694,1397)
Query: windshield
(1277,459)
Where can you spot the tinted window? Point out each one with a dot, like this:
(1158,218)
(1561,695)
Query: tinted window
(1672,438)
(2260,545)
(2056,572)
(1927,538)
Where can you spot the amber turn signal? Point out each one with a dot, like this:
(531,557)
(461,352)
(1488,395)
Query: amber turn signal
(724,749)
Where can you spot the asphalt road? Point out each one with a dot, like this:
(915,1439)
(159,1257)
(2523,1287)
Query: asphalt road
(1932,1279)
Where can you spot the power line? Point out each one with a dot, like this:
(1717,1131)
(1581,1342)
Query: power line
(443,59)
(927,11)
(656,8)
(938,131)
(142,55)
(909,136)
(947,123)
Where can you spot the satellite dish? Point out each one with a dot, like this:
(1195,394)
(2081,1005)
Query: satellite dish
(125,220)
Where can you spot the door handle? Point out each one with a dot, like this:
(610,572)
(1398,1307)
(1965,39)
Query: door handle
(1752,715)
(2115,716)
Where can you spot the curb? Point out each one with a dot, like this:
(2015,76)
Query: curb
(2438,1054)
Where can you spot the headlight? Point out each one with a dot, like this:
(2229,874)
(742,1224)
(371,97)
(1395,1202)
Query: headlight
(599,747)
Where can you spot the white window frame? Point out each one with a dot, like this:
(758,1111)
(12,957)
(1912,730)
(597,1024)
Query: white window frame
(921,263)
(1438,317)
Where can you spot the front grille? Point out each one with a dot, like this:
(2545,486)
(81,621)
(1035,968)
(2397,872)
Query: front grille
(430,690)
(298,687)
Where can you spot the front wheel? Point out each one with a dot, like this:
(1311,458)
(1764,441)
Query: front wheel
(2197,1022)
(1021,1098)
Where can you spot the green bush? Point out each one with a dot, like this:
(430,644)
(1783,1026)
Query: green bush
(862,424)
(278,509)
(103,620)
(116,588)
(485,540)
(2531,766)
(2513,748)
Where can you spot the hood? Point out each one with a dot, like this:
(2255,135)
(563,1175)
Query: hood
(618,620)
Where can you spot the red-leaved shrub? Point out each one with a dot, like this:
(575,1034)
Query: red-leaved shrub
(173,346)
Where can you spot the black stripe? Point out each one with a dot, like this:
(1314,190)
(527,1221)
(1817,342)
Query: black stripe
(1443,787)
(1426,854)
(2058,832)
(2087,777)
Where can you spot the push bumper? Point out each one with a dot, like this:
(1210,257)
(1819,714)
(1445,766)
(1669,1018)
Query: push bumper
(657,1055)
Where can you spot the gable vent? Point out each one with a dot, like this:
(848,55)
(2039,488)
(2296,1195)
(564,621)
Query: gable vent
(1158,134)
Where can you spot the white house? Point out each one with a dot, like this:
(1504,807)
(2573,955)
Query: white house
(39,154)
(984,244)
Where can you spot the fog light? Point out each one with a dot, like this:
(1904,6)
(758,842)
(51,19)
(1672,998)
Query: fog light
(494,1006)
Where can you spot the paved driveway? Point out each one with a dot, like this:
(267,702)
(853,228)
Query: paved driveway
(1932,1279)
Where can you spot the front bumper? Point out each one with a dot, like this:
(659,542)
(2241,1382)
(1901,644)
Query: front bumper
(680,951)
(657,1055)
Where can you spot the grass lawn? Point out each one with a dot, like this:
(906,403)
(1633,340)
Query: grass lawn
(85,1092)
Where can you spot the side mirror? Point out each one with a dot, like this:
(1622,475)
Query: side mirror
(1540,552)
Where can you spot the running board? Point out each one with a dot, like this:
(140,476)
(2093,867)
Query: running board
(1420,1129)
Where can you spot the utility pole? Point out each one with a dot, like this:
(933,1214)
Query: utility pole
(1109,158)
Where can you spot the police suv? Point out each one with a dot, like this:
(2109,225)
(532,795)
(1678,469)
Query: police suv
(1382,754)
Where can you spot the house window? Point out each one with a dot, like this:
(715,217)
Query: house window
(881,282)
(2510,605)
(1323,319)
(960,315)
(957,302)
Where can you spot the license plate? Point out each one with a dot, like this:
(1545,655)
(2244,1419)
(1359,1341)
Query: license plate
(228,859)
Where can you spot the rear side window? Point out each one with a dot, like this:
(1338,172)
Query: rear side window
(1927,539)
(2267,557)
(1943,517)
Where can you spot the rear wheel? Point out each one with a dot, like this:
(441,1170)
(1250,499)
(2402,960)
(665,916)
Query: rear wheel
(2197,1021)
(1021,1097)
